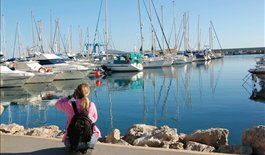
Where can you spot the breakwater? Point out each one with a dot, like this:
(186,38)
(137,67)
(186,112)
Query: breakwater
(209,140)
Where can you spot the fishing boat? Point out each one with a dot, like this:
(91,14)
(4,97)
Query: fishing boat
(126,62)
(10,78)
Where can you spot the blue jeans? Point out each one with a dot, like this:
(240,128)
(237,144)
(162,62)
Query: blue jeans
(90,144)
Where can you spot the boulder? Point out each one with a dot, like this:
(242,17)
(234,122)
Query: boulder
(177,145)
(159,137)
(198,147)
(214,137)
(182,137)
(11,128)
(255,137)
(113,135)
(120,142)
(136,131)
(247,150)
(165,133)
(148,141)
(45,131)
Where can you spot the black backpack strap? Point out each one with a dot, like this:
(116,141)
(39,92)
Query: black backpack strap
(74,107)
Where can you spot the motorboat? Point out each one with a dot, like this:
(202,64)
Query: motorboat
(125,62)
(42,75)
(65,70)
(13,78)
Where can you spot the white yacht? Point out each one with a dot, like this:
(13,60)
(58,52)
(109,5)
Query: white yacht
(42,75)
(58,65)
(10,78)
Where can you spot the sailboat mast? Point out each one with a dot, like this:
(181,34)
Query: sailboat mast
(3,35)
(151,28)
(141,26)
(162,18)
(175,26)
(198,39)
(33,33)
(1,26)
(14,46)
(19,42)
(106,25)
(51,45)
(70,39)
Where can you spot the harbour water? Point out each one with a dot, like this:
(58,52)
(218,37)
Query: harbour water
(188,97)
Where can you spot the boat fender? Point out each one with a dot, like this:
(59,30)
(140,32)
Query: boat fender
(97,73)
(48,70)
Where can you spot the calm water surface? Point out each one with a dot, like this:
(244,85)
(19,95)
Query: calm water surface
(187,97)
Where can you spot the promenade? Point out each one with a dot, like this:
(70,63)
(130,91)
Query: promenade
(41,146)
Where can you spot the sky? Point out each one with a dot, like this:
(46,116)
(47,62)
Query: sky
(238,23)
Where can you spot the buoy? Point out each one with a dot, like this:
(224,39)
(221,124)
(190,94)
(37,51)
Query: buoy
(97,74)
(97,82)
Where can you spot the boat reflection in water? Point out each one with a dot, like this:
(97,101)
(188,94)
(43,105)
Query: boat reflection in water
(258,95)
(29,105)
(123,81)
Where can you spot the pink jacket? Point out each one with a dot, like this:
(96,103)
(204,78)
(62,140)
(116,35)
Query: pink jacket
(65,105)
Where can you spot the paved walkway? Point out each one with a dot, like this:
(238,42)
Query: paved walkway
(39,146)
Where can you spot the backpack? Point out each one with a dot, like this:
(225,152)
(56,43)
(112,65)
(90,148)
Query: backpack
(80,130)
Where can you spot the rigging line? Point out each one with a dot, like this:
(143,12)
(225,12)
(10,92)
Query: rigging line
(161,27)
(96,31)
(216,35)
(63,43)
(152,26)
(15,41)
(41,48)
(180,35)
(171,31)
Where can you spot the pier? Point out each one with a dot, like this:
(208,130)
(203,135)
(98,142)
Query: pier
(241,51)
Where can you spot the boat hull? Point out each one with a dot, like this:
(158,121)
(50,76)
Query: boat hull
(41,78)
(125,67)
(153,63)
(12,81)
(70,75)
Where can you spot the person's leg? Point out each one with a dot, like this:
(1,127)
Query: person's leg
(67,143)
(93,141)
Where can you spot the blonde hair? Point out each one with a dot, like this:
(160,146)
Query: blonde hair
(82,91)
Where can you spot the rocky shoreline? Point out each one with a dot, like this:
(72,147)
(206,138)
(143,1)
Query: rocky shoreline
(210,140)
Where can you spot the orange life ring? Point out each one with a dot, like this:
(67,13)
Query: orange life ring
(42,70)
